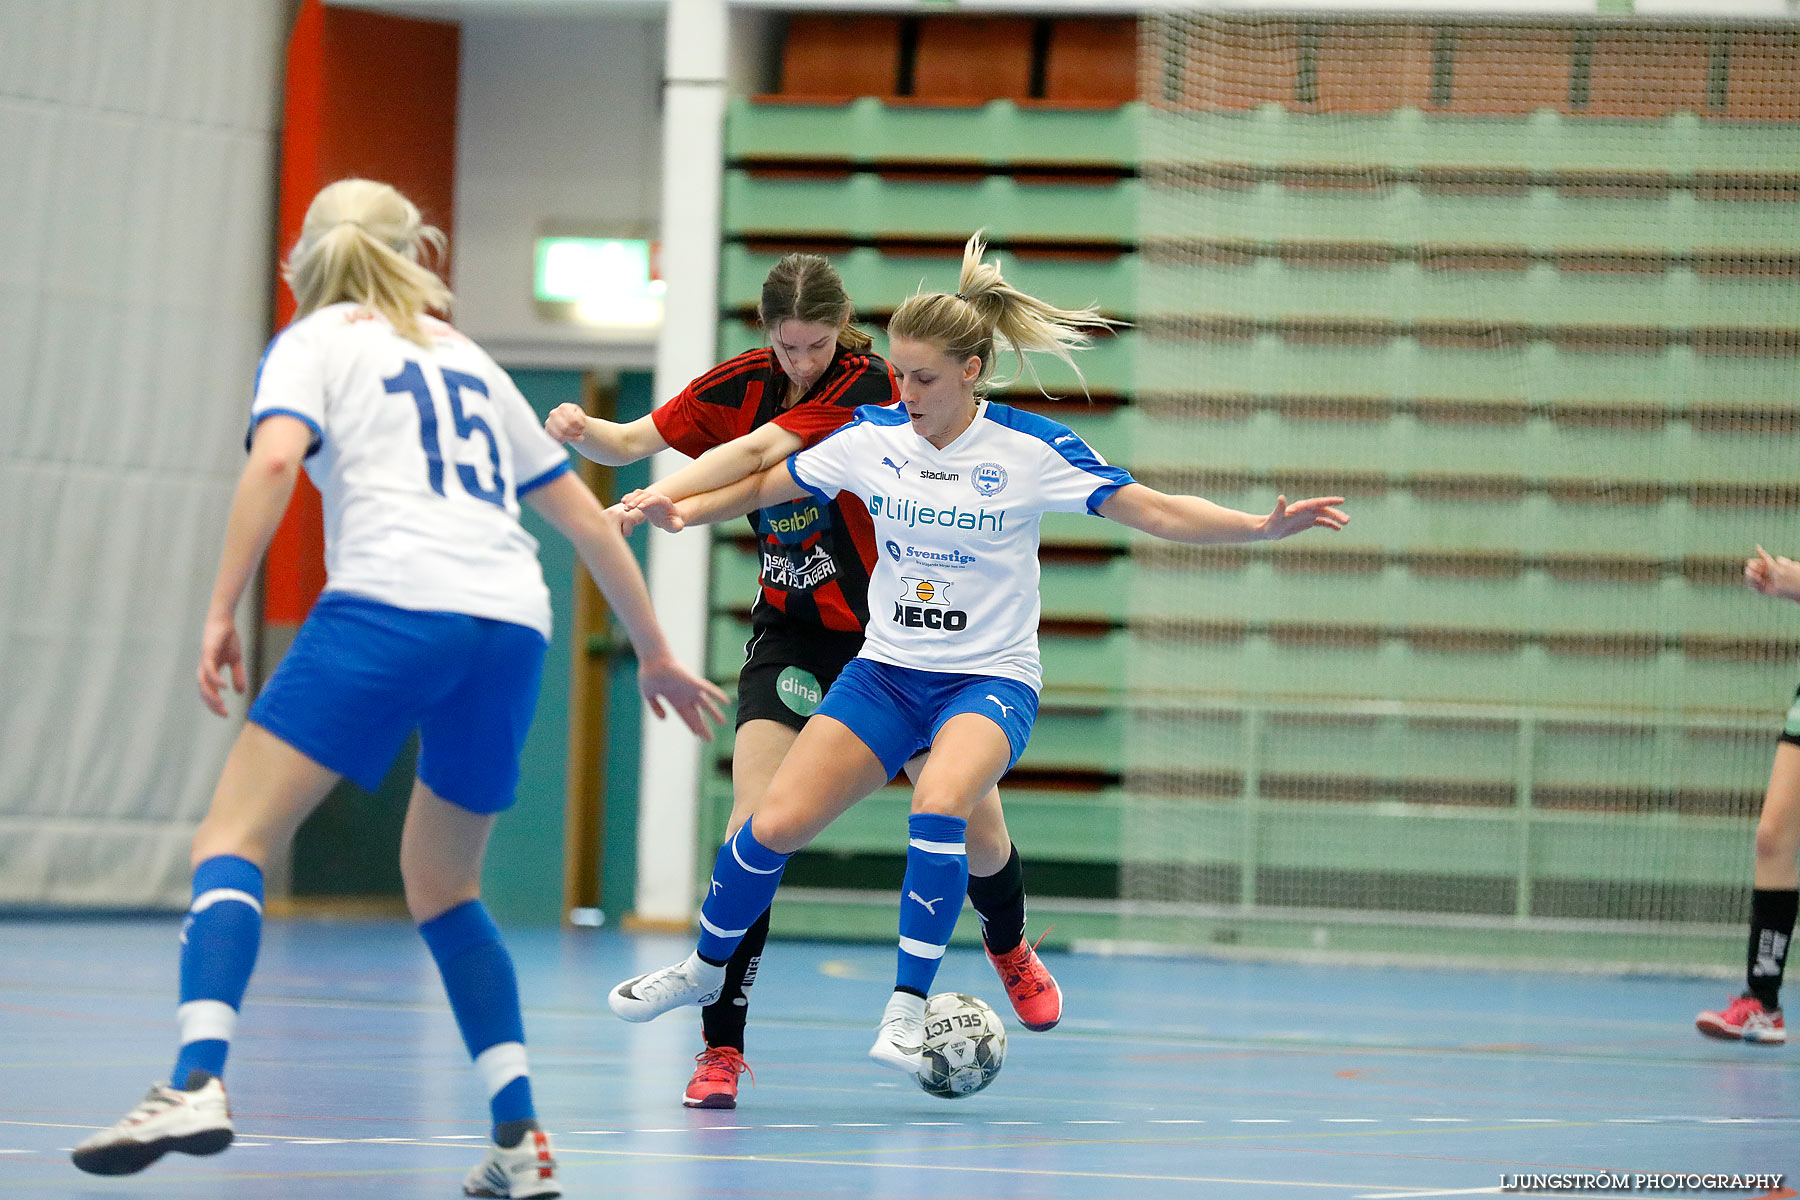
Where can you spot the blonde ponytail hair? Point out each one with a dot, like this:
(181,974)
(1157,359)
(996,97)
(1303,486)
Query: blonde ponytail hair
(363,241)
(987,315)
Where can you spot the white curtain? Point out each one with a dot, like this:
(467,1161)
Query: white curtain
(138,143)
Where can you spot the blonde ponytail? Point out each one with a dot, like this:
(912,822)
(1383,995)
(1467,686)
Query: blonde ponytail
(987,315)
(363,241)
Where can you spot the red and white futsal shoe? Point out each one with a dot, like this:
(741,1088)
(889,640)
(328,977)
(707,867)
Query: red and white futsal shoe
(188,1122)
(1029,985)
(1744,1020)
(715,1081)
(527,1169)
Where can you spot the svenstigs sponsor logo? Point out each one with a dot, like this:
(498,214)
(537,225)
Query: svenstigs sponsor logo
(913,514)
(925,557)
(932,610)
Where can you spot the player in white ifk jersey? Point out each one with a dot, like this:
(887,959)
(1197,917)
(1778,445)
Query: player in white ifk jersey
(434,618)
(955,486)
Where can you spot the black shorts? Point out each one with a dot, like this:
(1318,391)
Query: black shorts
(1790,729)
(787,669)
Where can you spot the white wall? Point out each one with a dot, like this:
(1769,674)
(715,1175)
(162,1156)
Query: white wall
(558,121)
(136,260)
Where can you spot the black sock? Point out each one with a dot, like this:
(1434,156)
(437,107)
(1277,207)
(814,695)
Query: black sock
(999,901)
(508,1134)
(1771,926)
(723,1020)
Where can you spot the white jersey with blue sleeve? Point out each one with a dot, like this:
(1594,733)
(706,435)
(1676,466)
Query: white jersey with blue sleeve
(420,455)
(956,587)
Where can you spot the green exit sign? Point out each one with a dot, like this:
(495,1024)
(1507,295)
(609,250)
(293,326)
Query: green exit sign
(598,281)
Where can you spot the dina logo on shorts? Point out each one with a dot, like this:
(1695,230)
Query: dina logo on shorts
(988,479)
(799,690)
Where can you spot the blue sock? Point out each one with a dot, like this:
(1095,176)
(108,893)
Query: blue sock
(745,876)
(218,951)
(484,995)
(931,898)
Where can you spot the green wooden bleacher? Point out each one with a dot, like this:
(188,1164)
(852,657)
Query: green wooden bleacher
(1549,356)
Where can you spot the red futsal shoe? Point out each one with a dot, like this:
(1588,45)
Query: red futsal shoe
(715,1080)
(1029,985)
(1744,1020)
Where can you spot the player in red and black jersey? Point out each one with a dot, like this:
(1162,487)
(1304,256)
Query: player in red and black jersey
(738,419)
(815,561)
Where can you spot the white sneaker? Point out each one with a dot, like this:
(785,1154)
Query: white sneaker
(900,1042)
(692,981)
(526,1170)
(196,1122)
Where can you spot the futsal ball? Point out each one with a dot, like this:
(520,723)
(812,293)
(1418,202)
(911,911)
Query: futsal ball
(964,1045)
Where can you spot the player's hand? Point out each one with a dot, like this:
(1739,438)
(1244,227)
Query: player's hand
(220,650)
(1773,575)
(693,698)
(626,520)
(1289,519)
(660,511)
(566,423)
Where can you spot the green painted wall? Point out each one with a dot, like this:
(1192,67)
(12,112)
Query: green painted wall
(624,712)
(523,879)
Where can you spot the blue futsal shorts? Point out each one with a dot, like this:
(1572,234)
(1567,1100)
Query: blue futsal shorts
(362,675)
(897,711)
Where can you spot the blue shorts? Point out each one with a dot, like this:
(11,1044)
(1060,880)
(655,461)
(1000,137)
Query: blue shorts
(897,711)
(362,675)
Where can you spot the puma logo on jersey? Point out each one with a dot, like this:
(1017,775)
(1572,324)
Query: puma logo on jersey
(930,905)
(888,462)
(1067,437)
(1005,709)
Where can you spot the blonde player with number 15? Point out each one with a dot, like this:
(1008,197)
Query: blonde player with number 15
(435,618)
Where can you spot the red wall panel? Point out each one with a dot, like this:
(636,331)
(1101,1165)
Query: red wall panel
(370,95)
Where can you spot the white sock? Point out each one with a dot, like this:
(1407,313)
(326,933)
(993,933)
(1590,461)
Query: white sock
(904,1004)
(698,969)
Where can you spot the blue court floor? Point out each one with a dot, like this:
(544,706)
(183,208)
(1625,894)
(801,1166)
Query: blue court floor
(1169,1078)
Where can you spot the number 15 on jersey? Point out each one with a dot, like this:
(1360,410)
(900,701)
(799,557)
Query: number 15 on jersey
(411,381)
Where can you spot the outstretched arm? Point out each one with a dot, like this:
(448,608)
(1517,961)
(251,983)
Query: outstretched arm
(773,486)
(1773,575)
(605,442)
(566,503)
(1199,522)
(723,465)
(263,490)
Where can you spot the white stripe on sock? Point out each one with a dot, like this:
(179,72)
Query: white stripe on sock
(938,847)
(717,932)
(920,949)
(745,865)
(212,896)
(500,1065)
(205,1021)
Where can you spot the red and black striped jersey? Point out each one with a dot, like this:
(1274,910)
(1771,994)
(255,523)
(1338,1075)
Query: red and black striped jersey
(815,561)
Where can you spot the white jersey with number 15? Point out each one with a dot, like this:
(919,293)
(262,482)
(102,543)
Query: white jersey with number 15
(420,455)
